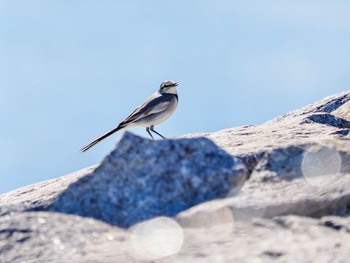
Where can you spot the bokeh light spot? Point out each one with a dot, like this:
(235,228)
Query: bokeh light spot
(321,162)
(157,238)
(209,222)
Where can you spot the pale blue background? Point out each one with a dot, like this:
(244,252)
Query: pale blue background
(72,69)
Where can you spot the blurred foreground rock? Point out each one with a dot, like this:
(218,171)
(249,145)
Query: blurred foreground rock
(54,237)
(278,191)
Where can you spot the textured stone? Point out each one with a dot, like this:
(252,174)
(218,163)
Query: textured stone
(283,239)
(314,123)
(274,153)
(38,195)
(53,237)
(42,237)
(143,179)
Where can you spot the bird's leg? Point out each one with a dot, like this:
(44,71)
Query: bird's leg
(147,129)
(152,129)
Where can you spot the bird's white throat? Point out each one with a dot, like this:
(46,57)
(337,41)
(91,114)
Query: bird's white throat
(171,90)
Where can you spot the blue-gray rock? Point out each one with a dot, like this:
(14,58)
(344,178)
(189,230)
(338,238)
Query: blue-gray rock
(142,179)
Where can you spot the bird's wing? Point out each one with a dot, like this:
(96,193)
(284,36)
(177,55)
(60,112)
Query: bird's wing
(152,105)
(153,110)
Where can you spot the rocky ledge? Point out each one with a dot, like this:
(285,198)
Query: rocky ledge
(278,192)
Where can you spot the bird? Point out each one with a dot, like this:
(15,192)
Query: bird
(155,110)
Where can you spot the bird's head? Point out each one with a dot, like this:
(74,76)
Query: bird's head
(168,86)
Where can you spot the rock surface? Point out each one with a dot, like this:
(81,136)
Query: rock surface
(38,195)
(54,237)
(297,164)
(143,179)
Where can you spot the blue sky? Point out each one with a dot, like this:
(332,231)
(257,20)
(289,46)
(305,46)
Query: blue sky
(71,70)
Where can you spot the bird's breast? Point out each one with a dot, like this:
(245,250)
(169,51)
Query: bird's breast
(163,116)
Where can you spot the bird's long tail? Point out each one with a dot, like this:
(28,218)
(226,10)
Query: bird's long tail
(104,136)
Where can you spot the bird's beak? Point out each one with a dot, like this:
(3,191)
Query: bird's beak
(176,83)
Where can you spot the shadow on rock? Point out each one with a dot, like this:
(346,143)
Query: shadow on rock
(329,119)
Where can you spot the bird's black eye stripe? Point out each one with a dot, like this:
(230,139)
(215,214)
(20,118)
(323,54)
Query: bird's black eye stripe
(167,85)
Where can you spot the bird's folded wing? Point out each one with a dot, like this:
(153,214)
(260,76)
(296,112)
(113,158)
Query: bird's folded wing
(155,104)
(160,107)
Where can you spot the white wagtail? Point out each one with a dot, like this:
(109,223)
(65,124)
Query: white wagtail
(155,110)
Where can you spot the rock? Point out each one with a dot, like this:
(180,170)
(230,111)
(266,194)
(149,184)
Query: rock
(343,111)
(143,179)
(53,237)
(275,154)
(277,191)
(283,239)
(314,123)
(42,237)
(35,196)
